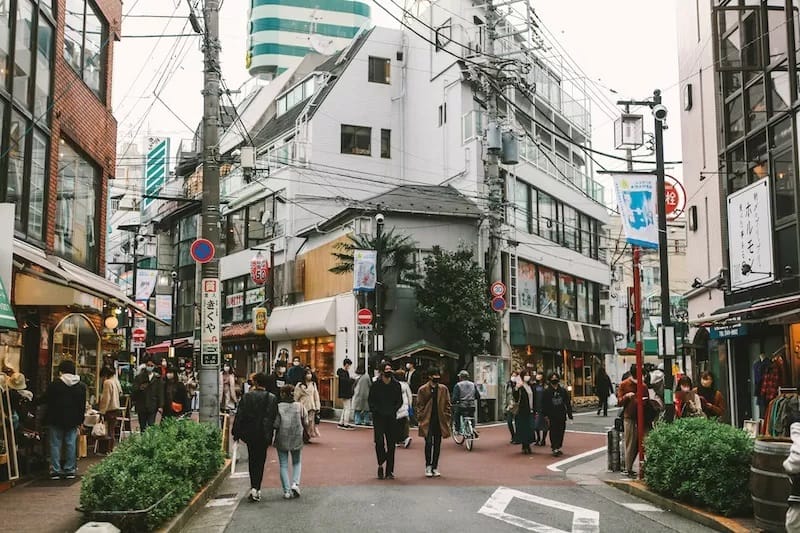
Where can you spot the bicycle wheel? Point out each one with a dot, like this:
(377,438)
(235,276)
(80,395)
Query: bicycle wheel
(458,438)
(469,439)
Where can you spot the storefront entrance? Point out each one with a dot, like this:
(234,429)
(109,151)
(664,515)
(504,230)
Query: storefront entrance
(319,353)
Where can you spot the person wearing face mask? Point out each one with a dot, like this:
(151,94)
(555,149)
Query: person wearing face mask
(557,407)
(414,380)
(148,395)
(433,408)
(539,422)
(511,405)
(296,372)
(711,398)
(524,398)
(176,399)
(277,379)
(385,398)
(227,385)
(307,394)
(687,402)
(405,411)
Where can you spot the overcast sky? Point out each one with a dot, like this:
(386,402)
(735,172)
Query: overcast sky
(628,45)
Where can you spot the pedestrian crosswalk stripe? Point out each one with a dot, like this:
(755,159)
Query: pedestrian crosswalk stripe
(642,507)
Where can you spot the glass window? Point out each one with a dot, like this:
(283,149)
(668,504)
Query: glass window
(76,208)
(729,56)
(570,225)
(22,51)
(756,106)
(15,192)
(784,184)
(5,43)
(585,235)
(522,212)
(592,302)
(777,35)
(548,217)
(548,292)
(84,40)
(93,50)
(76,339)
(256,230)
(386,144)
(526,286)
(236,228)
(36,193)
(73,33)
(751,40)
(566,294)
(731,82)
(379,70)
(583,310)
(738,169)
(44,57)
(735,115)
(356,140)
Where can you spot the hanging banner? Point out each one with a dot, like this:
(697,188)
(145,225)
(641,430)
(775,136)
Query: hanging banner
(636,199)
(145,284)
(364,270)
(750,236)
(260,320)
(164,307)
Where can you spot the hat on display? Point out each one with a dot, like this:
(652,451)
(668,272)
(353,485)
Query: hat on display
(17,381)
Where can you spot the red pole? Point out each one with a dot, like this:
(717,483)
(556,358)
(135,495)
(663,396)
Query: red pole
(641,391)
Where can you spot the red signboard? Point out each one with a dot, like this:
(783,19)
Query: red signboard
(675,198)
(364,316)
(138,335)
(259,269)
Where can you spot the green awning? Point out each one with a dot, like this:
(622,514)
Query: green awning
(416,347)
(7,319)
(543,332)
(650,346)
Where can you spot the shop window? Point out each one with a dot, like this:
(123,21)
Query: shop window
(356,140)
(84,40)
(379,70)
(319,353)
(548,292)
(581,300)
(526,286)
(76,339)
(76,208)
(566,296)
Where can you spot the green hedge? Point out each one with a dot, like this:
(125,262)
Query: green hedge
(176,454)
(701,462)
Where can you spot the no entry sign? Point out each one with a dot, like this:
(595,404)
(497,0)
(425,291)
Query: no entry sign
(364,316)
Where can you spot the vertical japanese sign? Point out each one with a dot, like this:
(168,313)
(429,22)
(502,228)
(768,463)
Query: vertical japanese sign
(750,236)
(636,199)
(210,318)
(364,270)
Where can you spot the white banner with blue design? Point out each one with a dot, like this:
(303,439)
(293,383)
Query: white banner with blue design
(364,270)
(636,200)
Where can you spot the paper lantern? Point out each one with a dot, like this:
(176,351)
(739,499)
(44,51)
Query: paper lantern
(259,269)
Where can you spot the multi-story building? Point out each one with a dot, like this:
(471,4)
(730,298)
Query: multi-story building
(58,139)
(740,145)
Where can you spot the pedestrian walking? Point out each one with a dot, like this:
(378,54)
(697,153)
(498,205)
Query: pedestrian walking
(292,421)
(255,425)
(66,404)
(296,372)
(557,408)
(711,398)
(511,405)
(414,379)
(176,399)
(227,389)
(433,413)
(277,379)
(603,389)
(346,385)
(189,380)
(148,395)
(539,420)
(405,411)
(524,400)
(385,398)
(109,405)
(307,394)
(363,384)
(626,398)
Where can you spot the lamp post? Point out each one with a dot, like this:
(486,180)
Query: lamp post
(174,322)
(378,287)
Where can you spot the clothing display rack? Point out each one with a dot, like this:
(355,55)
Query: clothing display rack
(8,444)
(776,422)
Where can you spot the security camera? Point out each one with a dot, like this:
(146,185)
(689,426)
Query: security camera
(140,239)
(660,112)
(379,218)
(174,274)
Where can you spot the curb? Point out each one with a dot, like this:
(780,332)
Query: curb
(196,503)
(705,518)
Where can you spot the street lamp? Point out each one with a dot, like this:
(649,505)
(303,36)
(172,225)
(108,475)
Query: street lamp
(379,219)
(174,322)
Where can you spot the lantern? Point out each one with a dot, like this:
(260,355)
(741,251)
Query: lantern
(259,269)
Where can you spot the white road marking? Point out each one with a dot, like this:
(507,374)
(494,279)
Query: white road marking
(583,520)
(588,432)
(555,466)
(238,475)
(222,502)
(642,507)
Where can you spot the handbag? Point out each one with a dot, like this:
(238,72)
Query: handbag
(612,400)
(83,446)
(99,430)
(176,407)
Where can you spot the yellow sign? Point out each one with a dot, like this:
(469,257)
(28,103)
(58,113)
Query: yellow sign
(260,320)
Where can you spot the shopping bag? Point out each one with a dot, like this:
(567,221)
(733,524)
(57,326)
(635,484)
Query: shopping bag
(99,430)
(83,446)
(612,400)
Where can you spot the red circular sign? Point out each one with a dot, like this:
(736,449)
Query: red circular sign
(364,316)
(138,335)
(498,304)
(259,269)
(675,197)
(202,250)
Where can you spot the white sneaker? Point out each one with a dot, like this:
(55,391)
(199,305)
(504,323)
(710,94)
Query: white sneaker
(254,495)
(258,496)
(407,442)
(287,495)
(296,490)
(428,471)
(436,473)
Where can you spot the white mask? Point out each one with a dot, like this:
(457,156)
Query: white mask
(527,379)
(408,366)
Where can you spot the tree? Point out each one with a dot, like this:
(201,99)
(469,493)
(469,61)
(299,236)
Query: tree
(396,252)
(454,302)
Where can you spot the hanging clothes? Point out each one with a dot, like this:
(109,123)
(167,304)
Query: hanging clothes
(772,379)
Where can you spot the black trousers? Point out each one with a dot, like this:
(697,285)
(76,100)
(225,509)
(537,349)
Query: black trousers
(385,429)
(256,457)
(433,447)
(557,429)
(146,420)
(510,422)
(602,404)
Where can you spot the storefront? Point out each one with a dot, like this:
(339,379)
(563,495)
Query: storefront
(572,349)
(244,350)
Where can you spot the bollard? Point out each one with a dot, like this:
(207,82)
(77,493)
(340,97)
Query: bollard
(613,451)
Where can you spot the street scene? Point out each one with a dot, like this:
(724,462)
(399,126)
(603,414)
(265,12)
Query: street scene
(528,265)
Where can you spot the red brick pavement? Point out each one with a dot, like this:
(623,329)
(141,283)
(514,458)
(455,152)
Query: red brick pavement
(342,458)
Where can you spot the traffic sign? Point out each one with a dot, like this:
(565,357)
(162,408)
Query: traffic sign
(138,335)
(498,304)
(202,250)
(364,327)
(675,197)
(364,316)
(498,288)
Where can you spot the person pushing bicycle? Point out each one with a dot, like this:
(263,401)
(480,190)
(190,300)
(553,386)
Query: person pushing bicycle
(465,394)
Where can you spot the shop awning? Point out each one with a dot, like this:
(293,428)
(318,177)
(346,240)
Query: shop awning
(7,318)
(555,334)
(735,312)
(649,347)
(316,318)
(417,347)
(163,346)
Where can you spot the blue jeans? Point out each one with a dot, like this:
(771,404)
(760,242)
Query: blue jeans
(68,438)
(362,418)
(283,459)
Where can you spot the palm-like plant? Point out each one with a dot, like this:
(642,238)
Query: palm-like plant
(396,251)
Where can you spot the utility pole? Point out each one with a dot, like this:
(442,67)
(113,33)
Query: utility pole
(210,282)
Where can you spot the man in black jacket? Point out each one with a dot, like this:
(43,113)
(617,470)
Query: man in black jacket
(385,398)
(557,407)
(277,379)
(296,373)
(66,405)
(346,384)
(254,424)
(148,395)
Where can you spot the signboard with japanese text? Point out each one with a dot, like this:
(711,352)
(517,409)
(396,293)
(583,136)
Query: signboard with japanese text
(254,296)
(750,236)
(234,300)
(364,270)
(164,307)
(259,320)
(636,200)
(145,284)
(210,322)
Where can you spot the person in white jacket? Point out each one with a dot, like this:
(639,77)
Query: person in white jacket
(404,412)
(792,467)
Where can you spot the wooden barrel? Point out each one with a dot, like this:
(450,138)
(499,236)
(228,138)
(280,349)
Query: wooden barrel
(769,484)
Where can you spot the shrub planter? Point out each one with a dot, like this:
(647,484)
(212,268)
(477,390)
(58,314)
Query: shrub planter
(769,484)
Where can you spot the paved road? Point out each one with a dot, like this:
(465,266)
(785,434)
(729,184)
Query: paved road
(492,489)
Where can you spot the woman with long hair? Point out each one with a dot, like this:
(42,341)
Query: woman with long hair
(523,397)
(176,399)
(307,394)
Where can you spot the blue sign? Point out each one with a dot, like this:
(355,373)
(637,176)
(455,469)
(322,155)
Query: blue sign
(636,200)
(498,304)
(156,168)
(728,332)
(202,250)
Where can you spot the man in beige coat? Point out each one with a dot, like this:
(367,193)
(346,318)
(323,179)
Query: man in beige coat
(433,414)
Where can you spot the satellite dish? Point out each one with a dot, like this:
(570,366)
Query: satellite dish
(319,43)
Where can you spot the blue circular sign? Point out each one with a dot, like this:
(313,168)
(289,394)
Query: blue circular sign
(499,303)
(202,250)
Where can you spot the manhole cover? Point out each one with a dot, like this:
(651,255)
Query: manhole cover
(224,496)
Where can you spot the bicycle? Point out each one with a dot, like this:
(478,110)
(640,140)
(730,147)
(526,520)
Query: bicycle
(468,434)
